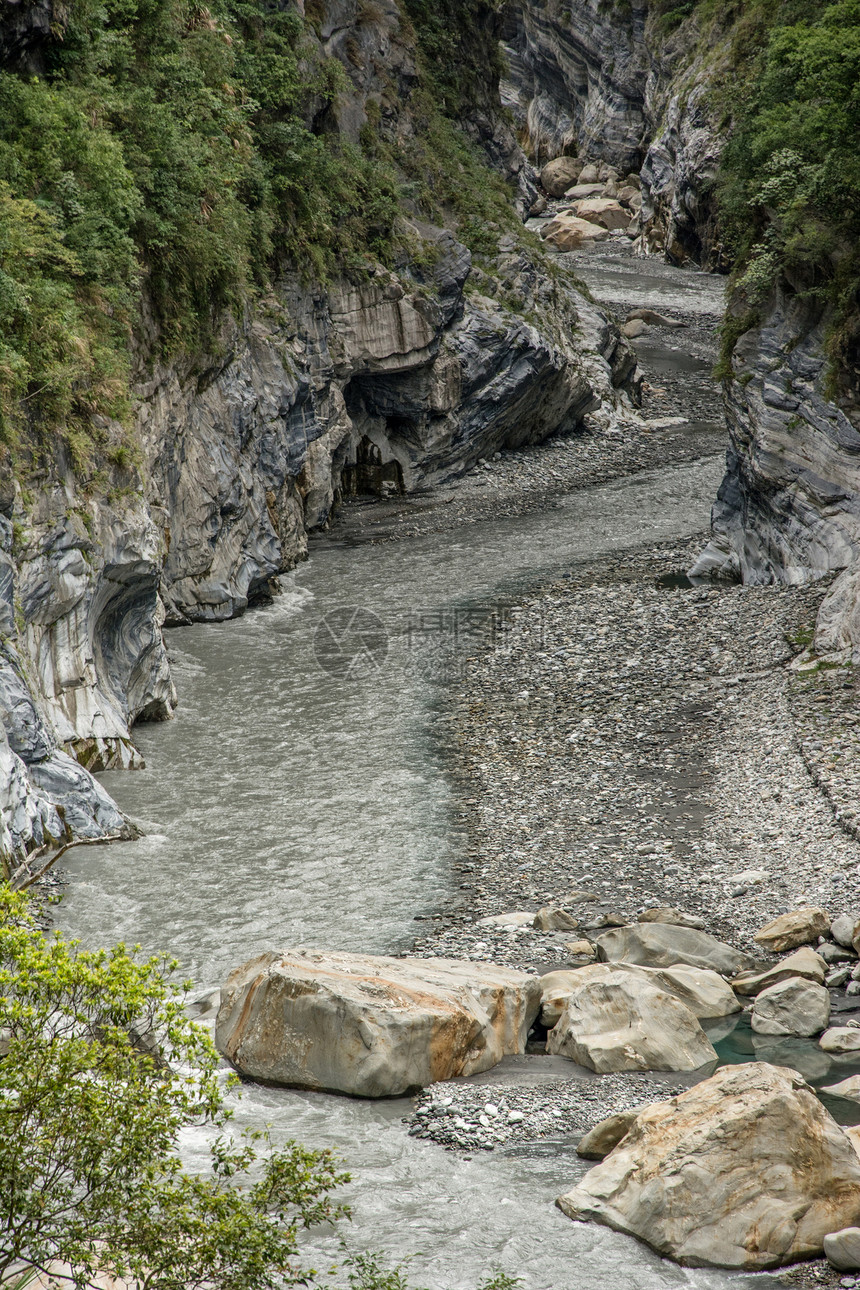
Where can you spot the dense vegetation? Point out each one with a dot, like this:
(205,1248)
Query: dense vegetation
(175,155)
(789,188)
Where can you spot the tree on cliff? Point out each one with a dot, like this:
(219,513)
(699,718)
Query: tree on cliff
(90,1116)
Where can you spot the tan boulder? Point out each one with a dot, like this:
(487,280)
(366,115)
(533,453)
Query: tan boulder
(745,1170)
(668,913)
(845,930)
(552,918)
(604,211)
(842,1041)
(848,1088)
(371,1026)
(630,196)
(558,175)
(625,1024)
(798,927)
(605,1136)
(704,993)
(583,190)
(590,174)
(569,233)
(843,1249)
(666,945)
(791,1007)
(803,963)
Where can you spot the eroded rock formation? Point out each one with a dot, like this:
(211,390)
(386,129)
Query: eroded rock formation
(394,381)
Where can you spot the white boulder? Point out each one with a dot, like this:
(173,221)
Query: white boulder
(791,1007)
(625,1024)
(666,945)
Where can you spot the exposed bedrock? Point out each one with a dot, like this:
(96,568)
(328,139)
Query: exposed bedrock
(390,383)
(788,509)
(600,81)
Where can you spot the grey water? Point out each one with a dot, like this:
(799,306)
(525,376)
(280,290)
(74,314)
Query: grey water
(299,796)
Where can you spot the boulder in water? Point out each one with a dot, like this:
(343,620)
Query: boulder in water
(746,1170)
(371,1026)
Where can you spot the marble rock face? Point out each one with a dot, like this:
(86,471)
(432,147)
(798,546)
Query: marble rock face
(745,1170)
(397,382)
(371,1026)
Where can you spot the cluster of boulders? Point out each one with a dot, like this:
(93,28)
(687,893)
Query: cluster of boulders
(746,1169)
(596,200)
(634,1000)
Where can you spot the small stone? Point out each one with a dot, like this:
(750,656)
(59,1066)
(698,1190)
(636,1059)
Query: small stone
(842,1249)
(552,918)
(840,1039)
(844,929)
(515,1117)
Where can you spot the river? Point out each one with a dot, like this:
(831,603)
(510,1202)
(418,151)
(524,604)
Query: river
(300,797)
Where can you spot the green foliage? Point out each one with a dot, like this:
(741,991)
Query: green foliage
(789,188)
(101,1075)
(90,1119)
(165,153)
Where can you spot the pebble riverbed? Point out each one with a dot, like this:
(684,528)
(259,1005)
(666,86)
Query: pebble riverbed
(630,736)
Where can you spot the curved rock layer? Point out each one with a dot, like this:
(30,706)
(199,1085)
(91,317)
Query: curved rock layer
(788,509)
(605,82)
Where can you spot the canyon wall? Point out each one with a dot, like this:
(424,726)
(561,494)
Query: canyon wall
(390,382)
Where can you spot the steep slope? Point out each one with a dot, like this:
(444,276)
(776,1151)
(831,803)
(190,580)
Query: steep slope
(397,372)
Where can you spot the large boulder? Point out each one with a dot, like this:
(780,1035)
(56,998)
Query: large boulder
(704,993)
(558,175)
(746,1170)
(803,963)
(625,1024)
(567,233)
(798,927)
(604,211)
(665,945)
(792,1007)
(371,1026)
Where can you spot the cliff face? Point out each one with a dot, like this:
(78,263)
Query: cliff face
(604,82)
(392,381)
(788,509)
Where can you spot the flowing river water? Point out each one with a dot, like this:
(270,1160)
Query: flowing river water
(297,800)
